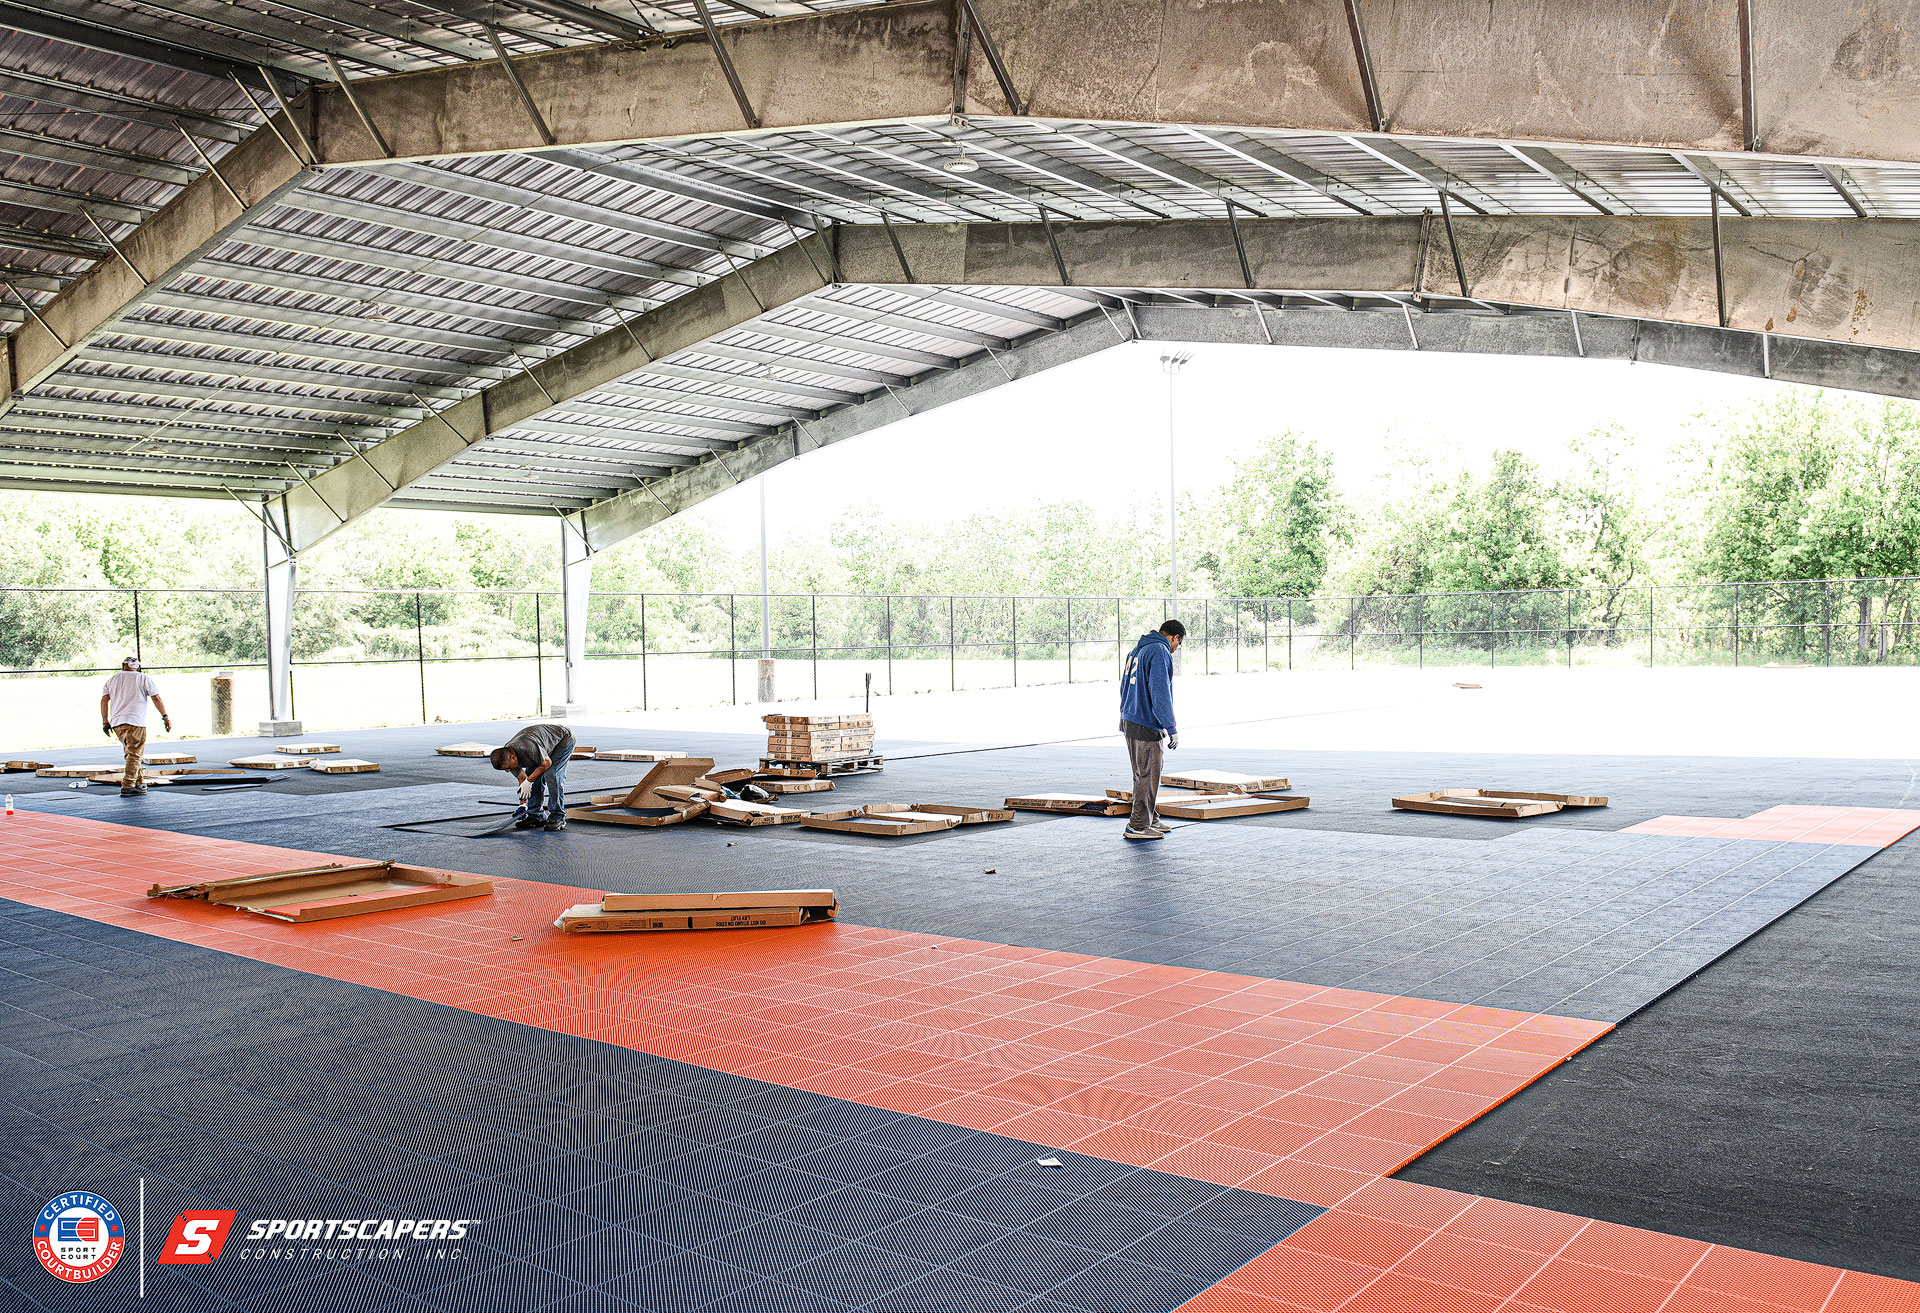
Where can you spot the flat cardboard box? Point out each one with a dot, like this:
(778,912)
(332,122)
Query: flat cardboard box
(306,749)
(168,759)
(732,811)
(883,819)
(344,766)
(1225,781)
(1564,799)
(968,815)
(1085,804)
(9,767)
(779,786)
(469,749)
(174,775)
(1474,802)
(271,761)
(639,754)
(324,893)
(853,720)
(76,772)
(1191,805)
(743,910)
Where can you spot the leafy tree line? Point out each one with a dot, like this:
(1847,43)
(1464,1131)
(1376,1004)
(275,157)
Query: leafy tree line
(1807,486)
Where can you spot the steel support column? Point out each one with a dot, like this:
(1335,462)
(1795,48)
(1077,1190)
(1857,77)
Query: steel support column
(576,580)
(280,569)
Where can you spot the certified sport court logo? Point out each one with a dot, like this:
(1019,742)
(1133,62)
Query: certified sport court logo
(79,1237)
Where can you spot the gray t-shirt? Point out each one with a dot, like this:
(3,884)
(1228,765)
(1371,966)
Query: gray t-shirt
(536,741)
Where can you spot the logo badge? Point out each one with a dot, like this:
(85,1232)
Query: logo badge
(79,1237)
(197,1237)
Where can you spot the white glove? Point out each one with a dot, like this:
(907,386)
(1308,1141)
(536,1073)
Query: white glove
(526,791)
(1173,741)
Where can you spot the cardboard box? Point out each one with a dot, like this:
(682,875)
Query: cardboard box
(639,754)
(468,749)
(306,749)
(1493,804)
(778,786)
(1225,781)
(1084,804)
(853,720)
(75,772)
(271,761)
(1190,805)
(8,767)
(883,819)
(747,910)
(344,766)
(731,811)
(645,804)
(324,893)
(168,759)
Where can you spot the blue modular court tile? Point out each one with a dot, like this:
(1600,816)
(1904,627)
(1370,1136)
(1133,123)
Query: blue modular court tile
(926,1180)
(1096,1224)
(685,1281)
(532,1287)
(918,1134)
(1007,1203)
(853,1211)
(641,1150)
(851,1162)
(949,1289)
(603,1255)
(937,1236)
(694,1220)
(623,1198)
(772,1246)
(1158,1192)
(1262,1216)
(1028,1262)
(778,1143)
(774,1189)
(1195,1248)
(847,1119)
(856,1273)
(775,1296)
(1115,1285)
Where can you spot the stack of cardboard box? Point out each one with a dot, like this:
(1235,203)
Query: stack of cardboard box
(819,739)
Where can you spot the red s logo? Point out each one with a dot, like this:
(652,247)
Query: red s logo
(196,1237)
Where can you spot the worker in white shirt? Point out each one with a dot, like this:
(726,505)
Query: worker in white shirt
(123,715)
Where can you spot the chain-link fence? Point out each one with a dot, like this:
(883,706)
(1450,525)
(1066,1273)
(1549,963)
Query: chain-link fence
(381,657)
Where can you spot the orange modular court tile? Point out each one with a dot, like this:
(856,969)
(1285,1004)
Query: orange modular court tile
(1291,1088)
(1856,827)
(1398,1244)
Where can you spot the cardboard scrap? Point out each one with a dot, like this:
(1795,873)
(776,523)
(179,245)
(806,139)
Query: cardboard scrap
(271,761)
(9,767)
(323,893)
(1083,803)
(306,749)
(1226,781)
(750,910)
(732,811)
(645,804)
(344,766)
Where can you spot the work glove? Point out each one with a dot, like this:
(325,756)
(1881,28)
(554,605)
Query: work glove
(526,791)
(166,722)
(1173,741)
(106,729)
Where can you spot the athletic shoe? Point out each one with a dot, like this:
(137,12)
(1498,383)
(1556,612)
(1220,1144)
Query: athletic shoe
(557,823)
(1144,834)
(527,823)
(130,791)
(1161,827)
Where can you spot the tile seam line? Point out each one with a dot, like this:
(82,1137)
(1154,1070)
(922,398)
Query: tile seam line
(1554,1257)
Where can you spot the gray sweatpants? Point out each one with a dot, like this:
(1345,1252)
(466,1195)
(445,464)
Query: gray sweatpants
(1145,755)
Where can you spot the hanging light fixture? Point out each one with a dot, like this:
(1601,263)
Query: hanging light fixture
(962,163)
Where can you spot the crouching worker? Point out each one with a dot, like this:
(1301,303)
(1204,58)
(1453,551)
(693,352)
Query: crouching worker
(1146,714)
(537,757)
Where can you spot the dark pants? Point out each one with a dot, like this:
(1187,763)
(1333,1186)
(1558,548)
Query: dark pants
(549,792)
(1145,755)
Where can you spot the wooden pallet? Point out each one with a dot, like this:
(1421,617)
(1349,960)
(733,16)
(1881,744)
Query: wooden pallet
(857,765)
(1084,804)
(323,893)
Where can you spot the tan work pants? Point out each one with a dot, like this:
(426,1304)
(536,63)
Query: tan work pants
(1145,756)
(134,739)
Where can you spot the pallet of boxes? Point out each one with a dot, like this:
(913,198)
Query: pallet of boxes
(810,747)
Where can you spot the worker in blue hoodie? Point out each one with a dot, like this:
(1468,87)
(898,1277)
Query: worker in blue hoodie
(1146,713)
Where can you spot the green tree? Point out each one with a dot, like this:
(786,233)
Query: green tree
(1279,522)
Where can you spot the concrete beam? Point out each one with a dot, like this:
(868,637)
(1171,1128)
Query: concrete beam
(349,490)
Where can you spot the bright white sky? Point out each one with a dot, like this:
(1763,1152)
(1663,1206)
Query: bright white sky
(1096,430)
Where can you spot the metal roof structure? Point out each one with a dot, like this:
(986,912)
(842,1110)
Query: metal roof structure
(554,256)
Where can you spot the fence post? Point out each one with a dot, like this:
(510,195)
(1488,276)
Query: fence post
(137,654)
(1569,629)
(1266,635)
(1119,639)
(1069,638)
(733,648)
(1289,633)
(420,655)
(1826,621)
(643,652)
(1653,595)
(539,660)
(889,602)
(1015,603)
(1353,633)
(816,644)
(1420,627)
(1206,636)
(1236,637)
(953,651)
(1736,626)
(1493,629)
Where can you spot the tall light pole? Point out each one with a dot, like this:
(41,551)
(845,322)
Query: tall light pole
(1172,362)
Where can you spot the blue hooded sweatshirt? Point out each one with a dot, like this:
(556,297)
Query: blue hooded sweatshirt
(1146,685)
